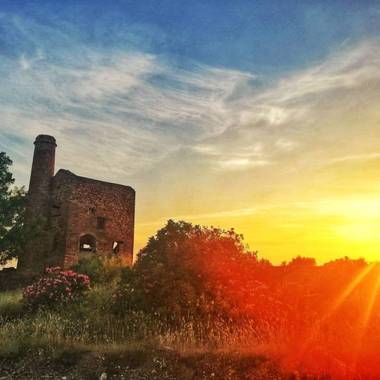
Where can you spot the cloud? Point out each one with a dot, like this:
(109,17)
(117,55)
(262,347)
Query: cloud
(241,164)
(124,111)
(308,117)
(347,68)
(223,214)
(27,62)
(285,144)
(355,157)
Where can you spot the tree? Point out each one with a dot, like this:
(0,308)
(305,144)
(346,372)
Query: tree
(12,212)
(189,272)
(302,262)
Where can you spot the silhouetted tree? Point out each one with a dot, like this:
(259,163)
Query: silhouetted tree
(301,261)
(187,271)
(12,210)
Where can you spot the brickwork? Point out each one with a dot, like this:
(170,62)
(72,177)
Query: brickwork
(41,175)
(83,215)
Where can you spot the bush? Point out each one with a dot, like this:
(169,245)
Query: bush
(100,269)
(55,288)
(188,272)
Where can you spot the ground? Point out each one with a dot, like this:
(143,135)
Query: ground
(140,364)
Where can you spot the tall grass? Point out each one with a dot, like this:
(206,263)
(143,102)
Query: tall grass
(91,323)
(10,304)
(88,324)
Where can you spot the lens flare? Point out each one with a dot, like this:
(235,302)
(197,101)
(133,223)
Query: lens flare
(335,306)
(365,320)
(348,290)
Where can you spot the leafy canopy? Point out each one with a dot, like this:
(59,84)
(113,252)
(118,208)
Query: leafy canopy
(12,211)
(188,271)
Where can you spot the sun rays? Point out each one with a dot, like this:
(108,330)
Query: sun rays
(348,290)
(366,317)
(367,278)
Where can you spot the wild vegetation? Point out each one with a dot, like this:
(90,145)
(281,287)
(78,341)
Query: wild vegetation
(195,293)
(12,207)
(196,305)
(56,287)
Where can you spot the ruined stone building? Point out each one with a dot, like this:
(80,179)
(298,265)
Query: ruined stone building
(78,215)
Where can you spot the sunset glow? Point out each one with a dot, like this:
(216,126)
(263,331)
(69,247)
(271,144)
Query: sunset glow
(218,212)
(282,144)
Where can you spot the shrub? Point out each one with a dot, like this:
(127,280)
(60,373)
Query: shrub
(188,272)
(100,269)
(56,287)
(90,265)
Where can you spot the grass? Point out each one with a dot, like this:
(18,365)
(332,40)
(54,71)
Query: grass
(84,324)
(79,335)
(91,323)
(10,304)
(88,337)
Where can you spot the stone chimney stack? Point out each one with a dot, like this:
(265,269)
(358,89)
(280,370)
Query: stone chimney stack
(41,176)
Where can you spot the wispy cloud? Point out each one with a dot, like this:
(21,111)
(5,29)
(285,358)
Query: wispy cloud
(308,117)
(349,207)
(235,213)
(124,111)
(241,163)
(355,157)
(126,108)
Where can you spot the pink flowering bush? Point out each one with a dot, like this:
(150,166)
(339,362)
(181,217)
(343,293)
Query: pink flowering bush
(56,287)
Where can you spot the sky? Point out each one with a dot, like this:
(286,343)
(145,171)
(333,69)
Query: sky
(261,116)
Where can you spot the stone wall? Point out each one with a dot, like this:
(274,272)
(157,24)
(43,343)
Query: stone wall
(87,207)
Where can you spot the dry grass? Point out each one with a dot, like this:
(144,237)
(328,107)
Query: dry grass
(91,324)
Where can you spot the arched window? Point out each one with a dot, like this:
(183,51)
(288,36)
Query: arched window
(87,243)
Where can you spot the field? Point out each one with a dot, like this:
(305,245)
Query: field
(87,338)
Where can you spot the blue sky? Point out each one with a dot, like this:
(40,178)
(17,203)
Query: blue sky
(267,36)
(217,111)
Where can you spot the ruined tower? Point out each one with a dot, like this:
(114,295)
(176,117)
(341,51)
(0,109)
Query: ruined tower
(74,216)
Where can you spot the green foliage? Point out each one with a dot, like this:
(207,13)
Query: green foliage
(100,268)
(91,265)
(12,211)
(188,272)
(10,304)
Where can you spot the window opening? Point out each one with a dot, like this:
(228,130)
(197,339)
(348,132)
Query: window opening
(117,246)
(101,223)
(87,243)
